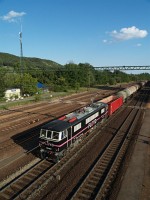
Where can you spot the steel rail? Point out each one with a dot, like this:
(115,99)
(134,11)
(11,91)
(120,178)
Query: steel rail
(20,183)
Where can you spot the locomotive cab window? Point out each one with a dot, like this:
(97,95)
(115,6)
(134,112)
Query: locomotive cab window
(43,133)
(103,110)
(55,135)
(49,134)
(63,135)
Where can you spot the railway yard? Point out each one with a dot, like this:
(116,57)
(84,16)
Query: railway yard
(100,166)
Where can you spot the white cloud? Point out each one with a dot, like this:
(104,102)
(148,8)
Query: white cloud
(107,41)
(138,45)
(128,33)
(12,16)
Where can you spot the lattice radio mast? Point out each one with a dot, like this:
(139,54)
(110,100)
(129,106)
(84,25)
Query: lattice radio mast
(21,52)
(21,61)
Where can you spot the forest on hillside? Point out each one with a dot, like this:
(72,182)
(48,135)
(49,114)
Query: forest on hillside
(55,77)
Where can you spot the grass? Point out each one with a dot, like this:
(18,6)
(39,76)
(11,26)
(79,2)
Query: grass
(49,96)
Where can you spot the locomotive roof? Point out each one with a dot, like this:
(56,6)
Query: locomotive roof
(57,125)
(60,125)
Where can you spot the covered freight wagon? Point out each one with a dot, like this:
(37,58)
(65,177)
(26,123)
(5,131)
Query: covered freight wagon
(114,105)
(114,102)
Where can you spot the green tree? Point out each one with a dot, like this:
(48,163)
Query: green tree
(3,86)
(28,84)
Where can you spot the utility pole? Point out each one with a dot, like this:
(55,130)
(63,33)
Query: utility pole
(21,56)
(21,51)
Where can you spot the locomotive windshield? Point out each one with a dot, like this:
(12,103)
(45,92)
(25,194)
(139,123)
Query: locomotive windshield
(55,135)
(43,133)
(50,134)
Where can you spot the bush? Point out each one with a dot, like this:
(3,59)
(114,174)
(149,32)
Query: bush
(59,88)
(37,97)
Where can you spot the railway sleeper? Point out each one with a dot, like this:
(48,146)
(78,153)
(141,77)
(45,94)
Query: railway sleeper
(106,159)
(36,171)
(99,170)
(111,151)
(9,192)
(115,144)
(47,176)
(16,187)
(88,185)
(108,153)
(20,183)
(24,196)
(92,182)
(95,178)
(97,174)
(4,196)
(112,147)
(108,186)
(45,165)
(27,179)
(103,165)
(107,156)
(41,168)
(31,175)
(104,191)
(40,182)
(83,196)
(86,191)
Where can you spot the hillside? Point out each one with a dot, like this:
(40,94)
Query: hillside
(13,61)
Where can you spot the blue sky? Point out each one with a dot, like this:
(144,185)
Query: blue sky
(98,32)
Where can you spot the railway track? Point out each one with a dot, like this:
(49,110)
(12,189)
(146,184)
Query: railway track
(22,182)
(99,180)
(54,172)
(13,114)
(124,165)
(63,174)
(19,109)
(105,169)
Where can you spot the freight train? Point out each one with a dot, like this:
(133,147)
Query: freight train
(60,134)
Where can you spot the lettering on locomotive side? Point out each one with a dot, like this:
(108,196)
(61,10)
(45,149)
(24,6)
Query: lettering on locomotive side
(92,123)
(46,143)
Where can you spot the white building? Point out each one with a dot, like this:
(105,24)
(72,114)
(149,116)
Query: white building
(12,94)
